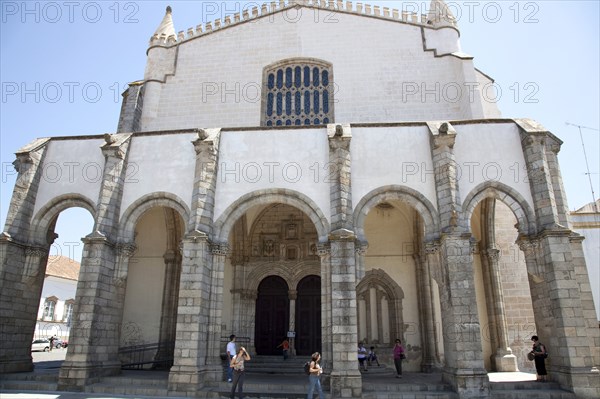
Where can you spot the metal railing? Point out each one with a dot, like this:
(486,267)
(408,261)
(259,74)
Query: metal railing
(156,356)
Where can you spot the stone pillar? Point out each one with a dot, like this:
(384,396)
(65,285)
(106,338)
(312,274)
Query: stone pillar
(429,338)
(168,316)
(94,336)
(124,253)
(464,369)
(556,277)
(324,252)
(189,371)
(293,296)
(346,381)
(219,254)
(361,251)
(504,359)
(20,263)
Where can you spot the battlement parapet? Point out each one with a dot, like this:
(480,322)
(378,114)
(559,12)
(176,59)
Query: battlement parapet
(347,7)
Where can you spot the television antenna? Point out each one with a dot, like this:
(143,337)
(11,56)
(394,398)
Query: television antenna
(589,175)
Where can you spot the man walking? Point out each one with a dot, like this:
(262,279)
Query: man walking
(231,352)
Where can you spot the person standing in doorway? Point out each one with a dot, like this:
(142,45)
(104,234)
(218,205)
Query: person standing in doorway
(237,365)
(362,356)
(231,351)
(539,351)
(314,377)
(398,356)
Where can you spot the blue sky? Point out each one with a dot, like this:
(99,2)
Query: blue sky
(65,64)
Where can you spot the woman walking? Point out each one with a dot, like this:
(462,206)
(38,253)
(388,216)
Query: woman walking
(314,378)
(237,364)
(539,353)
(398,356)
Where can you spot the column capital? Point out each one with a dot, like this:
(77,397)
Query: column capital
(323,249)
(360,247)
(492,254)
(342,235)
(114,145)
(432,247)
(220,249)
(126,249)
(292,295)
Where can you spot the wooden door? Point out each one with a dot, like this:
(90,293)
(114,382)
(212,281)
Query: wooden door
(272,315)
(308,316)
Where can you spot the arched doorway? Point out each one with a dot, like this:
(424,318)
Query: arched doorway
(272,315)
(308,316)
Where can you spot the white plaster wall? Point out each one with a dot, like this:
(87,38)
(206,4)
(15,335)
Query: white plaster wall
(491,152)
(160,163)
(142,307)
(72,166)
(61,288)
(257,160)
(591,250)
(384,156)
(374,64)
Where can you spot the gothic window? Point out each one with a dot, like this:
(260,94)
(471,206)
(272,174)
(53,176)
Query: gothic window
(297,92)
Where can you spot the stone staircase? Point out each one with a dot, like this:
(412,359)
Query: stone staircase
(529,390)
(45,380)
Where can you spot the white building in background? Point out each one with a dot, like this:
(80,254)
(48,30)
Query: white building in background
(58,298)
(586,221)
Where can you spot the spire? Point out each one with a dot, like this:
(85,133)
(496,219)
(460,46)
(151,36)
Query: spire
(440,15)
(166,26)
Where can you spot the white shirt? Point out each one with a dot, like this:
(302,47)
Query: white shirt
(231,349)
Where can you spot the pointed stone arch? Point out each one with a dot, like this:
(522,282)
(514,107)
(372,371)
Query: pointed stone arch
(509,196)
(136,210)
(398,193)
(46,217)
(225,222)
(387,293)
(291,272)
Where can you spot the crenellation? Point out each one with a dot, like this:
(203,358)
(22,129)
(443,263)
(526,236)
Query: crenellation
(395,13)
(208,26)
(368,9)
(263,9)
(227,20)
(423,18)
(377,11)
(254,12)
(359,8)
(190,33)
(405,16)
(218,23)
(236,17)
(245,15)
(199,29)
(181,36)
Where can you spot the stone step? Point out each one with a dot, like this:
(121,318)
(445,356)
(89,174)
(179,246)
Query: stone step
(128,389)
(531,394)
(37,376)
(151,379)
(27,385)
(523,385)
(409,395)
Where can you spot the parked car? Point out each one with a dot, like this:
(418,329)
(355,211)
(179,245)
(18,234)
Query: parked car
(40,345)
(59,343)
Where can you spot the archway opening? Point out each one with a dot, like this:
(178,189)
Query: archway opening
(270,242)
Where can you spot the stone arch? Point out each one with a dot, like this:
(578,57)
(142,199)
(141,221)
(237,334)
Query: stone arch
(509,196)
(394,294)
(136,210)
(291,272)
(224,224)
(399,193)
(46,216)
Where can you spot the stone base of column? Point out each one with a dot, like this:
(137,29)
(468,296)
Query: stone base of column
(188,380)
(346,384)
(505,362)
(584,382)
(16,365)
(75,376)
(429,367)
(468,383)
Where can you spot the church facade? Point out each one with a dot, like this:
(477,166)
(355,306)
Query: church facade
(323,186)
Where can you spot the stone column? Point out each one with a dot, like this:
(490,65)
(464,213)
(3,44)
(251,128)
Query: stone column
(361,251)
(125,252)
(324,252)
(293,296)
(429,334)
(168,316)
(189,371)
(346,381)
(95,332)
(555,278)
(219,254)
(504,359)
(464,369)
(20,262)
